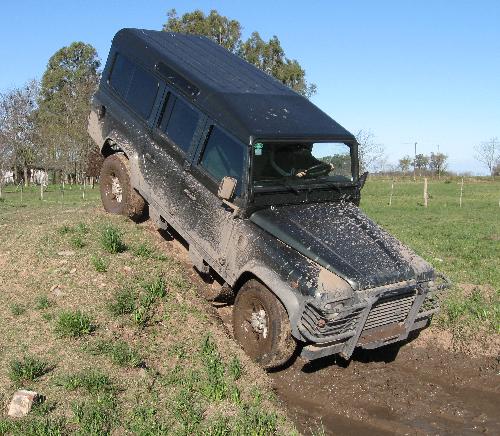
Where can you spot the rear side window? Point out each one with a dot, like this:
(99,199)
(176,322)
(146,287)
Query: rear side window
(134,84)
(182,124)
(121,75)
(223,156)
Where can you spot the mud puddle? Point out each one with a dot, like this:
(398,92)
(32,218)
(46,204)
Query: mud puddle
(420,391)
(416,390)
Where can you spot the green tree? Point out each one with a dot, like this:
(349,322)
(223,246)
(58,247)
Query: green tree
(437,163)
(404,164)
(341,163)
(268,56)
(421,162)
(217,27)
(70,80)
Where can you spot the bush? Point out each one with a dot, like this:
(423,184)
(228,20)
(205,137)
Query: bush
(99,264)
(143,250)
(17,309)
(124,303)
(153,291)
(74,324)
(28,369)
(111,240)
(77,241)
(43,302)
(82,228)
(64,230)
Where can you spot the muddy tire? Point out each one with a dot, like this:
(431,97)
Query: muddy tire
(117,194)
(261,325)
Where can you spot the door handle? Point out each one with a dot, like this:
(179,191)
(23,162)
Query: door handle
(189,194)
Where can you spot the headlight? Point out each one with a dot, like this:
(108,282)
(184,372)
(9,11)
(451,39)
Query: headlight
(333,286)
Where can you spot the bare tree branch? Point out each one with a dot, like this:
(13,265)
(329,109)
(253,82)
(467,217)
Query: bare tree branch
(370,153)
(488,153)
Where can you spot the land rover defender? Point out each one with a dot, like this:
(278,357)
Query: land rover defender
(264,188)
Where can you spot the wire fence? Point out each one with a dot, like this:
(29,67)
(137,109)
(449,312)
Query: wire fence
(39,195)
(432,193)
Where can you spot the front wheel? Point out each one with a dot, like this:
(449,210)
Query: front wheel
(117,194)
(261,325)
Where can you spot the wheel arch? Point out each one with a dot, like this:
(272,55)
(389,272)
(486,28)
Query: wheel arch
(279,288)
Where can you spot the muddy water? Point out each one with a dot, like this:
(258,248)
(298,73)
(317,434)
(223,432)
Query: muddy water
(419,391)
(413,390)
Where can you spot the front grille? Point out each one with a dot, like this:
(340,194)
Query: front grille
(389,310)
(336,326)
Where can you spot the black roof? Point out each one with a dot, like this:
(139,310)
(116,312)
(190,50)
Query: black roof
(240,97)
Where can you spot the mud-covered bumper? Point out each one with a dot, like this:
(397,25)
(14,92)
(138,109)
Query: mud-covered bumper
(379,317)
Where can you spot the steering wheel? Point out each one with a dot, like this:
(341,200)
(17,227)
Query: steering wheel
(321,169)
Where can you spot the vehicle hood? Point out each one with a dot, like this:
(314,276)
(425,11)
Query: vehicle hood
(342,239)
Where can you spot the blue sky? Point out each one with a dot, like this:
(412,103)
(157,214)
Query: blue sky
(411,71)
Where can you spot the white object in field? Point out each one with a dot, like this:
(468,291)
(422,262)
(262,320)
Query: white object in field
(21,403)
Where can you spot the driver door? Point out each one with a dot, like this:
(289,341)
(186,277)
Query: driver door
(218,155)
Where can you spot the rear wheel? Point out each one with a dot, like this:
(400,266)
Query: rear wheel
(261,325)
(117,194)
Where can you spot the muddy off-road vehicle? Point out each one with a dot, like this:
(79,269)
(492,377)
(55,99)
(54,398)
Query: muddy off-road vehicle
(264,189)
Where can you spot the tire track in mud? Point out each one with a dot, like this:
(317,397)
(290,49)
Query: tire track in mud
(413,390)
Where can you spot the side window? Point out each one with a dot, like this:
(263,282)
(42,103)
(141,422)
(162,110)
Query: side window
(223,156)
(181,124)
(135,85)
(121,75)
(142,92)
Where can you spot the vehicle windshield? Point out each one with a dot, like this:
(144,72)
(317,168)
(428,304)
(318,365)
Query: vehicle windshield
(301,163)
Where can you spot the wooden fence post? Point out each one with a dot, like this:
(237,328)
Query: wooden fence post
(425,192)
(41,191)
(392,191)
(461,191)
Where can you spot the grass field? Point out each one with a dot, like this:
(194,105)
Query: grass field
(101,319)
(462,242)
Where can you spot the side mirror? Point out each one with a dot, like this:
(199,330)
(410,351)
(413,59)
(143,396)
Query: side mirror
(227,187)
